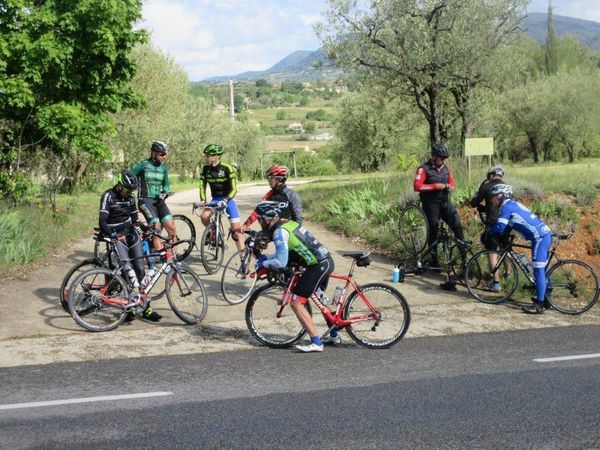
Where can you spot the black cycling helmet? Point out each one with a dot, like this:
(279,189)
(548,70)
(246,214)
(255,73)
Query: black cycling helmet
(127,180)
(439,150)
(159,147)
(496,170)
(213,149)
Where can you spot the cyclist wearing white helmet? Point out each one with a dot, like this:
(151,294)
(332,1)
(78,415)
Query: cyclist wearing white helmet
(514,216)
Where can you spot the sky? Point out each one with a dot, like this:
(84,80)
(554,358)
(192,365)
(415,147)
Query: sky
(226,37)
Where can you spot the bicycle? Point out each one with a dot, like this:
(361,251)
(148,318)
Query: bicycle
(212,242)
(572,285)
(374,315)
(239,276)
(452,253)
(99,299)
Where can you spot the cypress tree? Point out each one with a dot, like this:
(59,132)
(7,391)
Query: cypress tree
(551,57)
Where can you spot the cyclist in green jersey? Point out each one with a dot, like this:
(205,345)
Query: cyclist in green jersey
(154,184)
(222,180)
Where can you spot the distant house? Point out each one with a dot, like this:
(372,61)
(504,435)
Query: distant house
(296,126)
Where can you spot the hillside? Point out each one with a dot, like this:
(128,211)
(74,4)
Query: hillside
(313,65)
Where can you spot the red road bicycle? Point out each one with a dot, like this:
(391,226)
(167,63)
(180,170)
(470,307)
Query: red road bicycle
(374,315)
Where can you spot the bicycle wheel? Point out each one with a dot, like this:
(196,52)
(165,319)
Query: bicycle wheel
(212,248)
(186,294)
(185,231)
(236,283)
(101,253)
(78,268)
(458,262)
(271,324)
(383,327)
(96,300)
(413,229)
(572,286)
(480,277)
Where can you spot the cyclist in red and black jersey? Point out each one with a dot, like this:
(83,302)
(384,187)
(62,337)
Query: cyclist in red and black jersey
(434,182)
(277,176)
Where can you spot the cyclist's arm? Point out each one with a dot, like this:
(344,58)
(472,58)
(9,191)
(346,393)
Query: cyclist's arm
(103,215)
(202,187)
(254,216)
(137,169)
(233,181)
(419,184)
(166,185)
(502,225)
(280,259)
(478,198)
(296,205)
(451,180)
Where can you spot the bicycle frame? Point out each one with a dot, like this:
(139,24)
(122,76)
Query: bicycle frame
(509,252)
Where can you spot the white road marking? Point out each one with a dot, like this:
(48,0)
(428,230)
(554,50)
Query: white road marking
(70,401)
(568,358)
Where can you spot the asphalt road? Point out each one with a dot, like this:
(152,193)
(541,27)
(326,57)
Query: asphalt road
(468,391)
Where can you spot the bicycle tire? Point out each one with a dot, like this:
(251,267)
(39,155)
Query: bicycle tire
(387,325)
(185,231)
(262,320)
(458,263)
(87,296)
(101,249)
(212,252)
(572,286)
(413,229)
(190,307)
(237,285)
(80,267)
(479,278)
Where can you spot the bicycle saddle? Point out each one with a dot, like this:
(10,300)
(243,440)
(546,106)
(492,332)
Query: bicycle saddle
(363,259)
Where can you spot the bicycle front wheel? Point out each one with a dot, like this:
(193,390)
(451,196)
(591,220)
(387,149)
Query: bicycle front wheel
(480,279)
(212,248)
(78,268)
(413,229)
(572,286)
(185,231)
(96,300)
(236,282)
(382,325)
(186,294)
(458,262)
(271,324)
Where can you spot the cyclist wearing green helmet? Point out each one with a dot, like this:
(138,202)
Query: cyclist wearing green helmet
(221,178)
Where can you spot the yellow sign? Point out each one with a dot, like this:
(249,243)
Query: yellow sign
(479,146)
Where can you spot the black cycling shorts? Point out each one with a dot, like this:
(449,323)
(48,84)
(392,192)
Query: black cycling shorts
(154,210)
(313,277)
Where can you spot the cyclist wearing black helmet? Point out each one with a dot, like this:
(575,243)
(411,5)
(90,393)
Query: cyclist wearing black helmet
(494,177)
(221,178)
(153,177)
(434,182)
(117,217)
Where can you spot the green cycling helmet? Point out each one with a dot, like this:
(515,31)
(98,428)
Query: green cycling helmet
(213,149)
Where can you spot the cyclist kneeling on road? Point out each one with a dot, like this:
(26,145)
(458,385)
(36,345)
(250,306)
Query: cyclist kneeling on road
(223,186)
(294,244)
(153,176)
(117,219)
(514,216)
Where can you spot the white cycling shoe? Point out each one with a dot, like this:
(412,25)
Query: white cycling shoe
(332,340)
(312,347)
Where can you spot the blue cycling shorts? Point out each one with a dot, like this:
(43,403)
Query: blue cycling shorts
(233,214)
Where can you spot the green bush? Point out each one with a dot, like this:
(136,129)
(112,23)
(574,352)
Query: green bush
(586,195)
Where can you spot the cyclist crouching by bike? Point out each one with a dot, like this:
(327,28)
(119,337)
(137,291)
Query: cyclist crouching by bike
(153,175)
(490,211)
(277,176)
(294,244)
(117,219)
(434,182)
(514,216)
(222,180)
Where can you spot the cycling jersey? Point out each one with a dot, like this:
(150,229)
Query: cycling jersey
(483,194)
(283,195)
(293,240)
(153,178)
(117,213)
(427,175)
(221,179)
(516,216)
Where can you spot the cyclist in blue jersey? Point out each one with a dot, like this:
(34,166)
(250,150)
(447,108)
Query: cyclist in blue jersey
(514,216)
(295,244)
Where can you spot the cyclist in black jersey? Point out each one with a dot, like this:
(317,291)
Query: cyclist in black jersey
(117,219)
(221,178)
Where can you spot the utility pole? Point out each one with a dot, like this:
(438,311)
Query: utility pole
(231,108)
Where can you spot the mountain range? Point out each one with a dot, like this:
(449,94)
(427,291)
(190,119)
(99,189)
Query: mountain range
(311,65)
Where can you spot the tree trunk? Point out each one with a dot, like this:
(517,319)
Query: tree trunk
(533,145)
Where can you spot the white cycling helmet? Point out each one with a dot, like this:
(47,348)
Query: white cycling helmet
(502,191)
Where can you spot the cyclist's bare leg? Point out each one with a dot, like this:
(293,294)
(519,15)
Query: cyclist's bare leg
(238,235)
(169,225)
(303,315)
(493,258)
(156,241)
(205,216)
